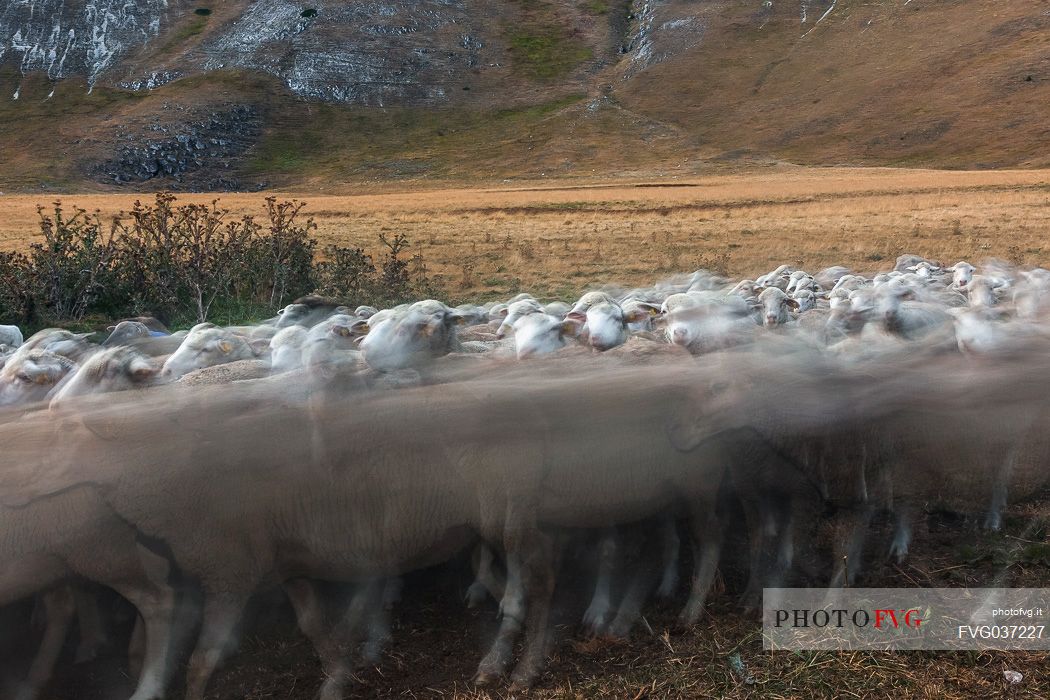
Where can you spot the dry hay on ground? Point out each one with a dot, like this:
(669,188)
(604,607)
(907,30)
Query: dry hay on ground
(555,237)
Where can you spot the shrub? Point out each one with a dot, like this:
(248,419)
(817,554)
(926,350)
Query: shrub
(74,264)
(181,263)
(17,303)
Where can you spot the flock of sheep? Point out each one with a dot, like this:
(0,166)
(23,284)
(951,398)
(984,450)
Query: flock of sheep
(188,471)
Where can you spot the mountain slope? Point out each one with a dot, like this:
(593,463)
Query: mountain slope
(244,94)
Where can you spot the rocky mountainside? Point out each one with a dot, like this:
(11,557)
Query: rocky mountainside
(254,93)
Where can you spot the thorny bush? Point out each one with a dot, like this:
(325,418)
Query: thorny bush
(164,259)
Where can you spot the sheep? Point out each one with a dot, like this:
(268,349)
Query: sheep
(805,299)
(206,346)
(970,437)
(775,305)
(556,308)
(471,314)
(605,323)
(747,289)
(905,318)
(980,291)
(306,311)
(114,369)
(59,341)
(125,332)
(286,349)
(829,276)
(73,534)
(410,338)
(516,310)
(705,322)
(365,312)
(642,311)
(11,336)
(272,517)
(962,273)
(777,278)
(332,344)
(906,261)
(29,376)
(924,270)
(539,334)
(850,283)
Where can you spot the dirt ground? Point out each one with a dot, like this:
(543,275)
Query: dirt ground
(555,237)
(438,642)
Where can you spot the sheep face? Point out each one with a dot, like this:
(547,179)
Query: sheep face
(514,311)
(962,274)
(775,305)
(117,369)
(407,339)
(31,375)
(606,326)
(541,334)
(206,347)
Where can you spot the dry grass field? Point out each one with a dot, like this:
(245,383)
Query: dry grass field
(556,237)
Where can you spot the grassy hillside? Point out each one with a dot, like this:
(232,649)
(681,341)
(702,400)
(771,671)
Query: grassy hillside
(961,84)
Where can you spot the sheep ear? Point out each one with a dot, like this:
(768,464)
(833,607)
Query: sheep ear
(793,303)
(636,315)
(576,316)
(570,328)
(224,347)
(503,312)
(141,370)
(343,331)
(259,347)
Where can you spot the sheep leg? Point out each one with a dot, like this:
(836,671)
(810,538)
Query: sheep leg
(156,607)
(707,546)
(671,549)
(222,611)
(538,559)
(752,595)
(137,647)
(640,584)
(93,636)
(850,535)
(310,613)
(994,519)
(486,581)
(372,598)
(59,607)
(596,618)
(512,614)
(903,515)
(155,603)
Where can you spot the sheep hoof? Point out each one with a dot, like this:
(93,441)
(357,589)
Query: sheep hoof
(667,588)
(486,679)
(522,680)
(476,595)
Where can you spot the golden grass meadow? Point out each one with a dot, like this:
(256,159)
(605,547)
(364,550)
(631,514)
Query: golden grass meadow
(556,237)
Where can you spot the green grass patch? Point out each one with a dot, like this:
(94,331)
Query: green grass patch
(397,142)
(541,51)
